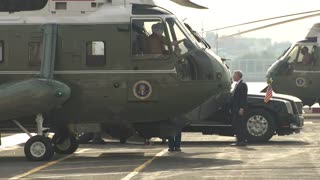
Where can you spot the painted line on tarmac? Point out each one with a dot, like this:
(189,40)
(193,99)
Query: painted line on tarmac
(32,171)
(86,168)
(144,165)
(110,160)
(308,122)
(79,175)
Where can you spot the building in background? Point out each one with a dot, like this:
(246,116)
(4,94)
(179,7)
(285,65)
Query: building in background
(253,56)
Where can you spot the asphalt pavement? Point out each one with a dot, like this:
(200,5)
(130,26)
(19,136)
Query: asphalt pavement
(203,157)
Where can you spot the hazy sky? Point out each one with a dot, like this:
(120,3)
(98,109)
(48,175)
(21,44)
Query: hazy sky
(227,12)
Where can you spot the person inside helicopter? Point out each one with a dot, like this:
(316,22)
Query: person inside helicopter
(306,59)
(139,35)
(157,42)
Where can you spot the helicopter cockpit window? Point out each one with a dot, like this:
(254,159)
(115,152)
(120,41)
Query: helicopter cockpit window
(303,55)
(181,44)
(148,38)
(35,53)
(292,57)
(95,53)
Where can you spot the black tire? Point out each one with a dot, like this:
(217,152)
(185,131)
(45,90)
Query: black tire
(123,140)
(65,144)
(38,148)
(259,126)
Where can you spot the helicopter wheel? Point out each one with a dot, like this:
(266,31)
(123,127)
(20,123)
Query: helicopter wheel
(38,148)
(65,144)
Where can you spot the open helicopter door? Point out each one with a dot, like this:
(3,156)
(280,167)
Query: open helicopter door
(151,60)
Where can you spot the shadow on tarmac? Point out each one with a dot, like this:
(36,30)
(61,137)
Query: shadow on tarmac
(185,162)
(194,144)
(227,143)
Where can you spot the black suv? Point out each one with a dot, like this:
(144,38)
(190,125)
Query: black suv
(282,115)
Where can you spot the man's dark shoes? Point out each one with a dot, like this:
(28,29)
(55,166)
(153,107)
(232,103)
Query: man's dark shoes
(170,149)
(178,149)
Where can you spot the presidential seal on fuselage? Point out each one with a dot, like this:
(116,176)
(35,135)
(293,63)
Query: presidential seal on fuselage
(300,82)
(142,90)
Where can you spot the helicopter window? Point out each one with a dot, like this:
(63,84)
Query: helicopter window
(1,51)
(315,55)
(178,38)
(35,53)
(305,55)
(61,5)
(95,53)
(302,55)
(293,55)
(148,38)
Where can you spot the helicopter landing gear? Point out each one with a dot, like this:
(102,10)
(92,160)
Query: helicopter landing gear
(65,144)
(39,147)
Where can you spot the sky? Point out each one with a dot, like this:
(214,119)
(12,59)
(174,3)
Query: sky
(228,12)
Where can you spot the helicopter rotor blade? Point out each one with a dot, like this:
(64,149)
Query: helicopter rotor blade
(189,3)
(261,20)
(271,25)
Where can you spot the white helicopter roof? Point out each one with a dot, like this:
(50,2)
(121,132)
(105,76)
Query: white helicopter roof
(75,12)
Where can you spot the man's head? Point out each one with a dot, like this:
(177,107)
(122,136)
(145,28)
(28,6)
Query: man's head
(304,50)
(237,75)
(157,28)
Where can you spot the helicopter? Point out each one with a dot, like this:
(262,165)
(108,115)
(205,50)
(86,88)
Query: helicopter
(299,68)
(69,67)
(292,74)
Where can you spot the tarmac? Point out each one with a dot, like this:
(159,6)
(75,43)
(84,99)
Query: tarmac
(203,157)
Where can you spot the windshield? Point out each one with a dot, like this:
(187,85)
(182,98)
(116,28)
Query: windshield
(302,54)
(292,56)
(180,42)
(284,52)
(198,39)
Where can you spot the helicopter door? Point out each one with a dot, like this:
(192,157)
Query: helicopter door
(151,61)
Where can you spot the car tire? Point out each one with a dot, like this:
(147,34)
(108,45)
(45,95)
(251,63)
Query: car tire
(259,126)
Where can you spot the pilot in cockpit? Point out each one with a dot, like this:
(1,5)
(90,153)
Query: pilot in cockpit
(157,42)
(307,59)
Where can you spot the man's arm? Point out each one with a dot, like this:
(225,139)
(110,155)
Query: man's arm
(243,98)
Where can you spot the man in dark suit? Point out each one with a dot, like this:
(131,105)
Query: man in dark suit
(238,107)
